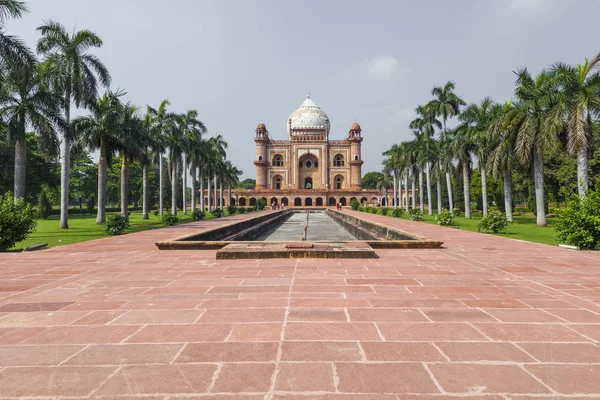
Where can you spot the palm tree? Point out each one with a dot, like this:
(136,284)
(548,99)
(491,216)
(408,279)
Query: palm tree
(446,104)
(476,120)
(579,101)
(425,154)
(192,129)
(529,119)
(74,73)
(25,103)
(199,156)
(230,177)
(219,146)
(14,54)
(148,141)
(129,139)
(162,121)
(426,123)
(502,157)
(100,131)
(461,146)
(392,164)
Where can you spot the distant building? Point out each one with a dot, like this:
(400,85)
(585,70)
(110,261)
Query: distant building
(308,169)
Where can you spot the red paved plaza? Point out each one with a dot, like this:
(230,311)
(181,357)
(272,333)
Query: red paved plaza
(482,318)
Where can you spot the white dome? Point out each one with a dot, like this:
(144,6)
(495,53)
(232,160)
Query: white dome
(308,116)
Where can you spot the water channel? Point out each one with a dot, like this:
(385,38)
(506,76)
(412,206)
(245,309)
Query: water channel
(320,228)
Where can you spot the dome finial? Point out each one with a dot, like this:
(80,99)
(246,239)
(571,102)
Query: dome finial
(308,93)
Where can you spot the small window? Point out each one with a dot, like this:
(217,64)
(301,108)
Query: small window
(278,161)
(308,164)
(316,164)
(259,158)
(356,158)
(278,184)
(338,183)
(338,161)
(300,164)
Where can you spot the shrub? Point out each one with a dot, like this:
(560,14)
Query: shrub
(397,212)
(169,219)
(492,208)
(116,224)
(217,212)
(44,205)
(384,210)
(90,205)
(415,214)
(495,222)
(16,221)
(231,209)
(354,204)
(261,204)
(241,210)
(156,213)
(361,208)
(579,223)
(250,209)
(198,215)
(445,219)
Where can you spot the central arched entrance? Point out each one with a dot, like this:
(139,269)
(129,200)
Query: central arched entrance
(308,202)
(308,183)
(319,201)
(284,201)
(297,202)
(332,201)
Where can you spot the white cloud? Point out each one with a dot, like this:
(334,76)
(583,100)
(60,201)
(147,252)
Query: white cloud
(382,66)
(379,67)
(404,114)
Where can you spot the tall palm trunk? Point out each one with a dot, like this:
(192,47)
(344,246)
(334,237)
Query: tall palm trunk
(406,190)
(450,198)
(145,186)
(173,188)
(508,196)
(221,194)
(413,189)
(215,189)
(429,199)
(229,194)
(124,185)
(184,180)
(466,189)
(484,189)
(201,174)
(538,178)
(160,184)
(399,198)
(439,188)
(65,163)
(194,194)
(101,215)
(20,168)
(209,194)
(582,172)
(395,201)
(421,205)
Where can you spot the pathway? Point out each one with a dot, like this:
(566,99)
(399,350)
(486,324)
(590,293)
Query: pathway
(483,318)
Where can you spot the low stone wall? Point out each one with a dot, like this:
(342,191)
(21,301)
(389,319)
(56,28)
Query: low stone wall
(242,230)
(366,230)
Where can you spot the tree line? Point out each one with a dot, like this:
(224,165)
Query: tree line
(36,100)
(546,137)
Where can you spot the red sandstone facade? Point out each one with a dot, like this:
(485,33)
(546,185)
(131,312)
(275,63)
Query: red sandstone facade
(308,169)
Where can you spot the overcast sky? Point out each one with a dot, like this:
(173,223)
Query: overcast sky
(241,62)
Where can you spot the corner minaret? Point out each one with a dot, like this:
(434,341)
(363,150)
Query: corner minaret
(355,139)
(261,161)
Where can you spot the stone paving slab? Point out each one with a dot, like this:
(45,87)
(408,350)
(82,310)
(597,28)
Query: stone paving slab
(484,317)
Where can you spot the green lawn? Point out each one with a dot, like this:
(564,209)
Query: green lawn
(84,227)
(523,227)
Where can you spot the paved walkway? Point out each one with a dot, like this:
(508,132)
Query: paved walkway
(483,318)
